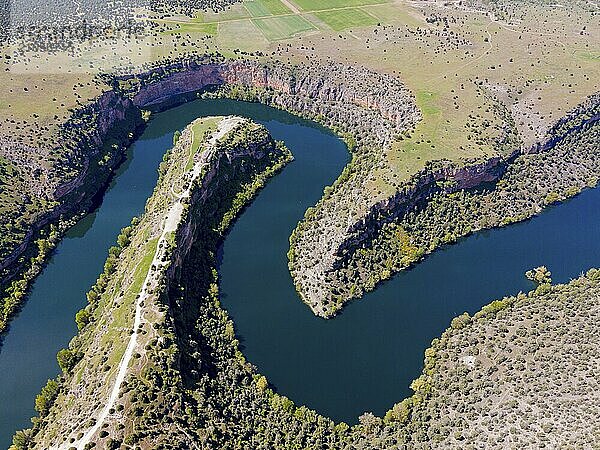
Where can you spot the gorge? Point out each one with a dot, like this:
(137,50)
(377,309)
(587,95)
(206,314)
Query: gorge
(267,313)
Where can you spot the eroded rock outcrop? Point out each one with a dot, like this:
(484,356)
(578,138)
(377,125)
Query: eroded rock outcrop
(345,96)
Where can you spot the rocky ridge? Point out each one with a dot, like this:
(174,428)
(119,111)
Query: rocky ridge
(328,279)
(223,159)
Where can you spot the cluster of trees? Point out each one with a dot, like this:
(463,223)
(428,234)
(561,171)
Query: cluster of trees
(198,387)
(245,196)
(83,317)
(229,405)
(14,294)
(200,352)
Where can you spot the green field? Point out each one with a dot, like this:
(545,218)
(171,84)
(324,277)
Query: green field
(277,28)
(427,103)
(265,8)
(388,12)
(343,19)
(234,12)
(315,5)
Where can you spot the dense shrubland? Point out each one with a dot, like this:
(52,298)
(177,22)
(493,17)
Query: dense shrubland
(14,293)
(67,358)
(519,373)
(52,27)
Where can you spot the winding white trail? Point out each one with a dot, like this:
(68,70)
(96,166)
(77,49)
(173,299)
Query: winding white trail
(170,223)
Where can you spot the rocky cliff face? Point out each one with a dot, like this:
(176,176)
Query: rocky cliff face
(451,177)
(585,114)
(371,107)
(440,176)
(346,94)
(110,119)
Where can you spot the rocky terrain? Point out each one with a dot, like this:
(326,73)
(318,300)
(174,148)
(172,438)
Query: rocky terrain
(93,143)
(446,202)
(138,275)
(499,74)
(520,373)
(370,111)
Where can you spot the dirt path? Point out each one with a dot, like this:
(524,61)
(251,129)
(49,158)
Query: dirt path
(170,224)
(292,7)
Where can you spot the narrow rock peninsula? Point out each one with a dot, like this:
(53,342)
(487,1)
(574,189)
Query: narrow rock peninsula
(214,168)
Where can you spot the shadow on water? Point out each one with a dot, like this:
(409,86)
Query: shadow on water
(363,360)
(82,227)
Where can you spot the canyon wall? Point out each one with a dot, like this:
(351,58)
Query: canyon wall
(89,133)
(371,107)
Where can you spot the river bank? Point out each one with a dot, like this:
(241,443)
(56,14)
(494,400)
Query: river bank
(369,118)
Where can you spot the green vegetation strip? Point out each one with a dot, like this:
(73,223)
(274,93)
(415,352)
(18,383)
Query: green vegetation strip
(264,8)
(315,5)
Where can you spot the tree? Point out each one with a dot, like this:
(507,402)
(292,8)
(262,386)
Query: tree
(176,136)
(460,321)
(46,397)
(66,359)
(22,439)
(124,237)
(262,383)
(92,297)
(400,412)
(82,318)
(539,275)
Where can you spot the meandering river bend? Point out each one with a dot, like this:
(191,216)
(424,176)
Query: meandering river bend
(364,359)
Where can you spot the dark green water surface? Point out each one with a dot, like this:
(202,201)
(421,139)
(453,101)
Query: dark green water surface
(363,360)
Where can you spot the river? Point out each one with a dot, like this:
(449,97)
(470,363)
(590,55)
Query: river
(364,359)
